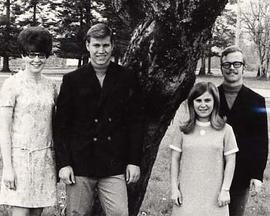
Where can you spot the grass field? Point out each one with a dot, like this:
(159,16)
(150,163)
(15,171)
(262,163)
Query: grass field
(157,198)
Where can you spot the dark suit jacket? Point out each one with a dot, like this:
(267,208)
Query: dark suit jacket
(248,119)
(98,131)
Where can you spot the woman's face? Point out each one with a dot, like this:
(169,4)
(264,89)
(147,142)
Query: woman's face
(34,62)
(203,106)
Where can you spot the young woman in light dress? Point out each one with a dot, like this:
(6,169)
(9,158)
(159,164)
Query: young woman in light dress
(27,102)
(202,157)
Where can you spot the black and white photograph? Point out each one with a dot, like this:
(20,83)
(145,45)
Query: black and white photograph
(134,107)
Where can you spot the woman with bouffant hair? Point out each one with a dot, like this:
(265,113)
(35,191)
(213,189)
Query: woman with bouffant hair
(27,101)
(203,157)
(35,39)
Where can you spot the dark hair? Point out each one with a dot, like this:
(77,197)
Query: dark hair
(35,39)
(99,30)
(198,89)
(231,49)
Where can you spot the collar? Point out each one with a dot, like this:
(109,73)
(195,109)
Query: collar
(203,124)
(231,89)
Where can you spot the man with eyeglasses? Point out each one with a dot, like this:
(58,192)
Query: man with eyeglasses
(245,111)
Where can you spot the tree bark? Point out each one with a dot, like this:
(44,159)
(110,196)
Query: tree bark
(203,65)
(79,62)
(5,64)
(7,38)
(35,14)
(164,50)
(209,72)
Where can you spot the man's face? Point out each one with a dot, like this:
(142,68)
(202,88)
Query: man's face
(100,50)
(234,73)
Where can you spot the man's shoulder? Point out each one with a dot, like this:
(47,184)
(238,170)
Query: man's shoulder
(77,72)
(119,68)
(246,92)
(116,65)
(251,94)
(124,72)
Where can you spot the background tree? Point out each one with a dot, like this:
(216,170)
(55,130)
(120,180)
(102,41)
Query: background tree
(8,32)
(17,15)
(256,20)
(165,46)
(75,18)
(37,12)
(223,35)
(122,30)
(224,28)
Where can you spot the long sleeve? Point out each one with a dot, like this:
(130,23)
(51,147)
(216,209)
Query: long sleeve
(62,124)
(135,118)
(260,150)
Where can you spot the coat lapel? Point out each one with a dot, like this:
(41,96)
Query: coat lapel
(90,79)
(237,103)
(224,109)
(109,83)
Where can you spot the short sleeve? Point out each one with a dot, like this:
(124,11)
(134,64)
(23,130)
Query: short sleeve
(8,93)
(177,141)
(230,145)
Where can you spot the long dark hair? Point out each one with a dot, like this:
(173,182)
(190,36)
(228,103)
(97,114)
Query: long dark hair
(198,89)
(35,39)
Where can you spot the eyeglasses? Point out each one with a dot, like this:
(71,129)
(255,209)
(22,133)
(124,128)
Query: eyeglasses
(33,55)
(236,64)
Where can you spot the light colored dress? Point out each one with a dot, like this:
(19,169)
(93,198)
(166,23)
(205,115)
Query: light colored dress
(202,168)
(31,140)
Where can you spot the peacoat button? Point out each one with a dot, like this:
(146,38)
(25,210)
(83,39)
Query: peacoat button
(95,139)
(96,120)
(109,138)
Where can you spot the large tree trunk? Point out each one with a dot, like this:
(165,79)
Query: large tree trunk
(164,50)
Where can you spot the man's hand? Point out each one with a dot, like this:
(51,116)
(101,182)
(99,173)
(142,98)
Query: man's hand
(9,178)
(66,174)
(255,186)
(132,173)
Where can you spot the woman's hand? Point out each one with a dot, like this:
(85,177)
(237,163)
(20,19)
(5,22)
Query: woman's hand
(9,178)
(223,198)
(177,197)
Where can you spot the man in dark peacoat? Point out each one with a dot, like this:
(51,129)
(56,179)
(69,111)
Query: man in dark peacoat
(99,129)
(246,112)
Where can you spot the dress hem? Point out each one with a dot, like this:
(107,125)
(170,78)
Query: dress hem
(28,206)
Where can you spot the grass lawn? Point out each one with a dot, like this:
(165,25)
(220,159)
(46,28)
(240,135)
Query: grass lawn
(157,198)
